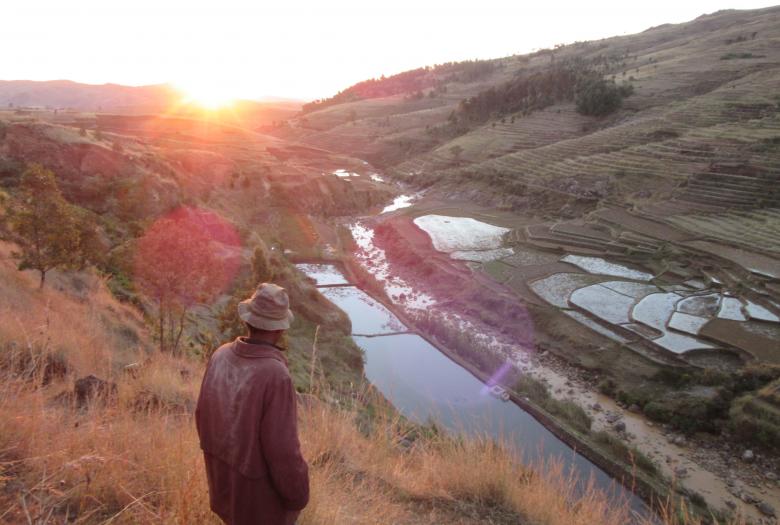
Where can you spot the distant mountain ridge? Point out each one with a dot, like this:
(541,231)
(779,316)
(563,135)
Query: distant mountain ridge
(67,94)
(115,98)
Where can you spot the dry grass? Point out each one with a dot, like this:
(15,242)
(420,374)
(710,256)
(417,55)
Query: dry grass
(74,321)
(113,464)
(135,458)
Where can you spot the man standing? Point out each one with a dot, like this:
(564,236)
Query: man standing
(247,422)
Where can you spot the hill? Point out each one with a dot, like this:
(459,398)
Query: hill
(69,96)
(66,94)
(657,149)
(698,87)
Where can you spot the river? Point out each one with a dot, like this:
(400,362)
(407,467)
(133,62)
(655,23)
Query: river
(427,386)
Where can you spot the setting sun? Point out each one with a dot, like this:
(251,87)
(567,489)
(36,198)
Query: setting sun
(207,95)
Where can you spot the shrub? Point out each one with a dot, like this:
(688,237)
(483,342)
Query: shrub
(658,411)
(690,413)
(627,454)
(598,97)
(563,409)
(733,56)
(607,387)
(751,425)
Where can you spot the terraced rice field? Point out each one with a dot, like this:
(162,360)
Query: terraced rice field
(759,228)
(671,317)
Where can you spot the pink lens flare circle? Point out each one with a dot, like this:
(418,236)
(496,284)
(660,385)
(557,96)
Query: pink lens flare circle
(187,256)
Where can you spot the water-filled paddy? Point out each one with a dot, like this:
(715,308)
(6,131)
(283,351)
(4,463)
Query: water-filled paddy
(603,267)
(604,303)
(402,201)
(368,315)
(323,274)
(655,311)
(452,234)
(557,288)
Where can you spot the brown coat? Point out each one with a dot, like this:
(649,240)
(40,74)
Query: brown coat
(247,423)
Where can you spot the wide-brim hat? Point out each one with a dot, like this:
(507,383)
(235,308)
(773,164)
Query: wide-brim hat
(267,309)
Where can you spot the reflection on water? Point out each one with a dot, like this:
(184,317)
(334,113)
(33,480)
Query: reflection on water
(368,316)
(323,274)
(425,385)
(402,201)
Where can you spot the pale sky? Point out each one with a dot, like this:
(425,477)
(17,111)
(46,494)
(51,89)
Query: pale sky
(298,48)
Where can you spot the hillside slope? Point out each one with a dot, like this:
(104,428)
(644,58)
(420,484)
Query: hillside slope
(703,95)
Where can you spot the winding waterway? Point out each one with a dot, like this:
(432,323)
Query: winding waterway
(427,386)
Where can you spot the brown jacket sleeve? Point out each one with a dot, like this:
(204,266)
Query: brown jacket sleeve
(280,446)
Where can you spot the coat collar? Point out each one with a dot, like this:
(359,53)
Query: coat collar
(243,349)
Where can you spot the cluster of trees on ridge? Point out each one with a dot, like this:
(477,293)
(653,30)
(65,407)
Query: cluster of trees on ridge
(412,81)
(594,96)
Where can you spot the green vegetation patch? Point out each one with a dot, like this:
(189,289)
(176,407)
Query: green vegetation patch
(566,410)
(630,455)
(735,56)
(598,97)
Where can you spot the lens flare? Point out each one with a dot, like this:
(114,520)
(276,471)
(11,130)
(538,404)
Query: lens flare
(207,94)
(188,256)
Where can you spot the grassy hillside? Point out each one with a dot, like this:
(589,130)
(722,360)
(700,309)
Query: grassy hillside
(703,93)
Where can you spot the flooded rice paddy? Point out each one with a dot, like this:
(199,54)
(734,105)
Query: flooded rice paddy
(463,234)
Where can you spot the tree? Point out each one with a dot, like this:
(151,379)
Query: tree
(43,224)
(177,264)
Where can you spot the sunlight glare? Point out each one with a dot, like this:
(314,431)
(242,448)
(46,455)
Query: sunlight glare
(207,95)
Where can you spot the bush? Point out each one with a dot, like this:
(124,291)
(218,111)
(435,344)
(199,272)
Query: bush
(532,389)
(565,410)
(598,97)
(732,56)
(627,454)
(657,411)
(607,387)
(755,426)
(755,376)
(690,413)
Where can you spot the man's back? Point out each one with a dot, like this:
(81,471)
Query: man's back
(246,419)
